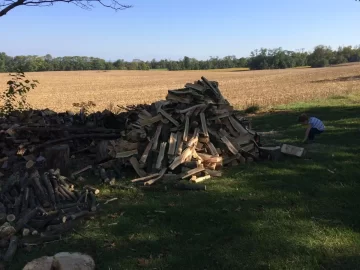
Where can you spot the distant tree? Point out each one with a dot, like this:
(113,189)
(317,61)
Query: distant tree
(8,5)
(321,56)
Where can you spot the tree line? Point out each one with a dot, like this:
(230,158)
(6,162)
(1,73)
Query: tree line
(321,56)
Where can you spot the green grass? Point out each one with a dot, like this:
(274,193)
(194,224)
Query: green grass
(293,214)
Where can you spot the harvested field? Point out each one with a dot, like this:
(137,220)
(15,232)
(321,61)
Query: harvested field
(59,90)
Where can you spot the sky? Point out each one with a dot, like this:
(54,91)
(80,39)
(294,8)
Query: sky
(172,29)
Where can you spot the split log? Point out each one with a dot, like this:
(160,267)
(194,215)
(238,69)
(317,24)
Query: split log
(179,143)
(182,158)
(136,167)
(155,139)
(204,125)
(146,153)
(161,156)
(172,144)
(237,126)
(186,129)
(200,179)
(212,149)
(229,145)
(192,172)
(11,249)
(58,157)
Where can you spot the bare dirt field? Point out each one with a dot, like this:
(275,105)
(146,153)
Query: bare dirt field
(59,90)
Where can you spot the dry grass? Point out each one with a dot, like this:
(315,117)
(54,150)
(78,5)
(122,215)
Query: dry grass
(59,90)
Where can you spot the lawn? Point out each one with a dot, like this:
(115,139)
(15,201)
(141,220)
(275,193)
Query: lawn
(291,214)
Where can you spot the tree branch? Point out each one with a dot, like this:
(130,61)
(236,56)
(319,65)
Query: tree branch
(9,5)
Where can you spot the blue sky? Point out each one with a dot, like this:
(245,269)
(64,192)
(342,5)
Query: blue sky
(172,29)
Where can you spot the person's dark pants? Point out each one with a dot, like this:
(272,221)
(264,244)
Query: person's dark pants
(313,132)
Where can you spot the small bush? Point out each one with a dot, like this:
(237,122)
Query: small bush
(14,97)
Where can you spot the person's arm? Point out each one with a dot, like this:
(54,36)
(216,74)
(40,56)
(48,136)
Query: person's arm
(307,133)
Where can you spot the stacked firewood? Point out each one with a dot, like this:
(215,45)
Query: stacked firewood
(189,136)
(40,207)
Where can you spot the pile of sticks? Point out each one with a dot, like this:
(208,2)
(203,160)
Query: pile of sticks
(190,136)
(40,208)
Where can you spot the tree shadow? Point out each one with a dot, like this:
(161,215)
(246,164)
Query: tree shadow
(294,214)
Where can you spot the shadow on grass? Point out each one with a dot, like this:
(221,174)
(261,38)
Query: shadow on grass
(295,214)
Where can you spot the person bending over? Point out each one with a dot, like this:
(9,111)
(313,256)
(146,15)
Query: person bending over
(314,127)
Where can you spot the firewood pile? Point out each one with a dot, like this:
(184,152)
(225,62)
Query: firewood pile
(40,208)
(190,136)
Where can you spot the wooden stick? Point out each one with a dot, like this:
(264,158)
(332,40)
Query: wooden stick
(145,178)
(152,181)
